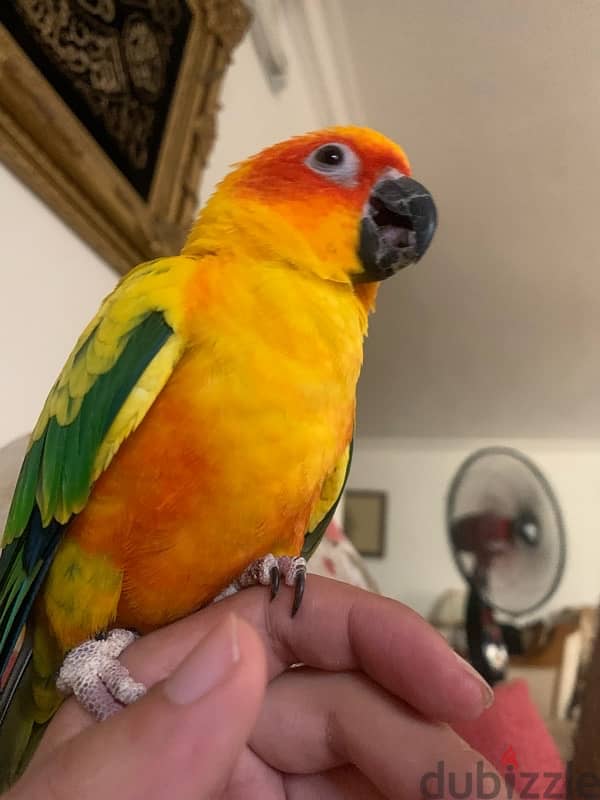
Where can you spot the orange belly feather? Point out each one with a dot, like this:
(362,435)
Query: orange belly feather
(189,502)
(226,467)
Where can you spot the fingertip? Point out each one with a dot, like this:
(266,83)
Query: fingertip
(415,662)
(479,695)
(207,665)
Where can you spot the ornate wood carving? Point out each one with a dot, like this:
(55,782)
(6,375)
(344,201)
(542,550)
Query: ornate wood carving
(108,108)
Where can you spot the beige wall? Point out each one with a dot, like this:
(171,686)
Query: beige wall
(497,331)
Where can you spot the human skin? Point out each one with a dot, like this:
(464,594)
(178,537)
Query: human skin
(366,716)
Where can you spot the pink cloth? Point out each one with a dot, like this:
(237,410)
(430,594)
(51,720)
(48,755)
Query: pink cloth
(513,737)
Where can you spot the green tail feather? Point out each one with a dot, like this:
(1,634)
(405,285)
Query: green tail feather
(19,733)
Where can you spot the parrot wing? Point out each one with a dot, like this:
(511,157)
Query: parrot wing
(331,493)
(117,369)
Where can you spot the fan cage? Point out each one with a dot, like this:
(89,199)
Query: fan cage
(462,471)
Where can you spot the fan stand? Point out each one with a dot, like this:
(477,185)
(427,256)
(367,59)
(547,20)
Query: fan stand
(488,652)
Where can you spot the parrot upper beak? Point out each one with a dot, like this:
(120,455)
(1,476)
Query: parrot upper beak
(397,226)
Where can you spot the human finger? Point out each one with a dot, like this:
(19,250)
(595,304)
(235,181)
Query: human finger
(182,739)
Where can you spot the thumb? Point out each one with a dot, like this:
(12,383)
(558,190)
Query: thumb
(181,740)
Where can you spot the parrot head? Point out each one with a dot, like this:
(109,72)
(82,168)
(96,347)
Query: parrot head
(339,203)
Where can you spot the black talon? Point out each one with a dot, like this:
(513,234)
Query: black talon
(274,573)
(298,591)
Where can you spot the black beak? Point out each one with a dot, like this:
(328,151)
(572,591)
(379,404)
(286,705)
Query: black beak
(396,229)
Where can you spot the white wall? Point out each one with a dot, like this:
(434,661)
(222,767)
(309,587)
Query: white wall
(416,474)
(254,115)
(52,282)
(51,285)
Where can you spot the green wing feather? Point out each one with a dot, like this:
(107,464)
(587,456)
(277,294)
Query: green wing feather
(57,470)
(131,344)
(331,494)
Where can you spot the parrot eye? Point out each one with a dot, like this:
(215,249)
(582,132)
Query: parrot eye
(331,155)
(335,161)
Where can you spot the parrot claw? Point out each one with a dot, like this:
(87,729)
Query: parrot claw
(274,573)
(299,590)
(93,673)
(268,571)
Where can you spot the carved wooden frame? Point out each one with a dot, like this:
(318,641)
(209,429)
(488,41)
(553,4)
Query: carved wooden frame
(43,142)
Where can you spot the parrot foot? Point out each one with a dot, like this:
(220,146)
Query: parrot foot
(268,571)
(93,673)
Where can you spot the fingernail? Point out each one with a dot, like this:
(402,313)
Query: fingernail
(487,693)
(206,666)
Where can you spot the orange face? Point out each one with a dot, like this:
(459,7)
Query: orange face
(339,202)
(286,172)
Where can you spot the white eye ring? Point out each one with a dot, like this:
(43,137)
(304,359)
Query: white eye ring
(335,161)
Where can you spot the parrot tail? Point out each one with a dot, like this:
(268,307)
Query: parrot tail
(19,731)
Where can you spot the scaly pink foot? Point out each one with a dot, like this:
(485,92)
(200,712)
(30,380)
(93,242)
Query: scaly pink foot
(93,673)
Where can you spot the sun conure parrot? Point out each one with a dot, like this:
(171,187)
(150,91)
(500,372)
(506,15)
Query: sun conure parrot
(199,435)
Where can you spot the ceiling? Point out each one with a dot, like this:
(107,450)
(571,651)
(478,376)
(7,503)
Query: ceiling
(497,331)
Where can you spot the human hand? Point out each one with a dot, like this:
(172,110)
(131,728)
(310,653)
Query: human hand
(364,718)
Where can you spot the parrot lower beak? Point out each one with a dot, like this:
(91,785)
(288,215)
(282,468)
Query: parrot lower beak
(397,227)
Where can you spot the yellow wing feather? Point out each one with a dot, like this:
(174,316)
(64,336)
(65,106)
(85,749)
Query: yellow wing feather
(330,491)
(155,285)
(139,401)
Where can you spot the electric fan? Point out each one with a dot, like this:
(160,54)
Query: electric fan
(508,540)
